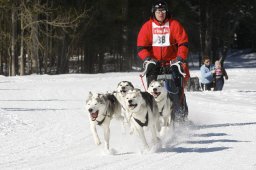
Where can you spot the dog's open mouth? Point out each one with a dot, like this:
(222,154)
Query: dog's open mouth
(94,115)
(123,91)
(132,106)
(156,94)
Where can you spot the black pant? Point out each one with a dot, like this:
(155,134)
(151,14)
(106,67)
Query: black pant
(206,87)
(219,83)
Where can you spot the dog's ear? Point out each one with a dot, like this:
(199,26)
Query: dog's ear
(90,94)
(100,95)
(89,97)
(162,82)
(119,83)
(102,98)
(152,82)
(137,92)
(130,84)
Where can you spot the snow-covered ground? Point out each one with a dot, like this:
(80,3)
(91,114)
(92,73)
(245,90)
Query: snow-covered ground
(44,125)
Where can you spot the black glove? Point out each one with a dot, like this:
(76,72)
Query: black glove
(149,64)
(178,59)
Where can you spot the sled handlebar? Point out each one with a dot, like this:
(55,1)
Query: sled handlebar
(178,65)
(146,67)
(171,64)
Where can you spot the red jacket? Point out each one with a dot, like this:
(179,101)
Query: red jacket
(162,49)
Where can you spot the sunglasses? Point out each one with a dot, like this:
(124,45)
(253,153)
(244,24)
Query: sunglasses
(160,11)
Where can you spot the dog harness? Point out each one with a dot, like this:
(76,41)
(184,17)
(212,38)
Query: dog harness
(140,123)
(100,122)
(161,112)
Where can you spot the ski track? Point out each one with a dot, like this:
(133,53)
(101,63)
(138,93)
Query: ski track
(44,125)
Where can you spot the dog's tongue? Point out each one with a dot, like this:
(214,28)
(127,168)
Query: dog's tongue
(94,115)
(132,105)
(156,94)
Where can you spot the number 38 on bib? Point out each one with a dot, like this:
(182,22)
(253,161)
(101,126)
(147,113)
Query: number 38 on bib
(161,35)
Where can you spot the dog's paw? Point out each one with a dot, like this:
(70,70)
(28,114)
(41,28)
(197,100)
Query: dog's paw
(156,141)
(163,131)
(131,131)
(109,151)
(97,142)
(145,150)
(156,148)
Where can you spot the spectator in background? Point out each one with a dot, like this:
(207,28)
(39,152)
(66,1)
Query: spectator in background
(207,74)
(220,72)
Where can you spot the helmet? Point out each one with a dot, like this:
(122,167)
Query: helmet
(160,4)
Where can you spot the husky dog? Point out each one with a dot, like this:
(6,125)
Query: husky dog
(193,84)
(143,112)
(120,94)
(164,102)
(101,108)
(121,91)
(123,87)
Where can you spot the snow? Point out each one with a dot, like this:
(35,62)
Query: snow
(44,124)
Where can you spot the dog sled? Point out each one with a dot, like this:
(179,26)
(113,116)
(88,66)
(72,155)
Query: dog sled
(173,76)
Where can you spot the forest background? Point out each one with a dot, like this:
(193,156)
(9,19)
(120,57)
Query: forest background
(97,36)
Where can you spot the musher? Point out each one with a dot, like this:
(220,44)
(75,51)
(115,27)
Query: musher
(161,41)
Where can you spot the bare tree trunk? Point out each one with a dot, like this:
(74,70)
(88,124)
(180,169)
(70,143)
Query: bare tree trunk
(22,68)
(13,40)
(88,61)
(201,32)
(35,46)
(2,43)
(62,56)
(46,52)
(208,37)
(125,56)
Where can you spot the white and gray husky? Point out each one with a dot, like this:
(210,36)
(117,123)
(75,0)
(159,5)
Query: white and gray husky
(122,88)
(164,103)
(143,112)
(102,108)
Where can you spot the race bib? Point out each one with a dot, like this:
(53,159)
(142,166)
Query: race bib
(161,35)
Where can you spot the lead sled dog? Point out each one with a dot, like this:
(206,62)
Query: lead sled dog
(164,103)
(143,112)
(102,108)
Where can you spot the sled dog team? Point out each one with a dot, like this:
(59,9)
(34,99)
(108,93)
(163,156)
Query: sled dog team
(151,109)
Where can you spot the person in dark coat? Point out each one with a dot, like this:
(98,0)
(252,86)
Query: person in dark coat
(220,73)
